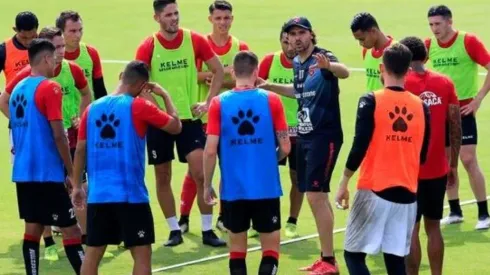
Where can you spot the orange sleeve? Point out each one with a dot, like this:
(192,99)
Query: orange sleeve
(78,75)
(476,50)
(214,117)
(243,46)
(18,78)
(97,69)
(265,66)
(202,49)
(277,111)
(451,91)
(144,53)
(82,130)
(48,98)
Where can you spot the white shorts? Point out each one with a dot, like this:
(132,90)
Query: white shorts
(376,225)
(11,141)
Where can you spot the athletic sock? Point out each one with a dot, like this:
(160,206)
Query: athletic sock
(84,239)
(292,220)
(482,209)
(329,259)
(237,263)
(206,222)
(455,208)
(189,193)
(269,263)
(184,219)
(173,224)
(356,263)
(30,249)
(49,241)
(74,253)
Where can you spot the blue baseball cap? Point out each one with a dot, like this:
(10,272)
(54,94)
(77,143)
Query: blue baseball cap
(301,22)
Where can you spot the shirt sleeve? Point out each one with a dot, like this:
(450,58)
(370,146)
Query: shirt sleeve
(148,112)
(82,130)
(243,46)
(425,144)
(364,131)
(78,75)
(97,69)
(214,117)
(18,78)
(202,49)
(451,91)
(48,99)
(277,111)
(265,66)
(476,50)
(144,52)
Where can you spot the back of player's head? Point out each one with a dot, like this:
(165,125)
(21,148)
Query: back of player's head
(396,60)
(221,5)
(363,21)
(39,48)
(50,33)
(244,64)
(440,10)
(136,71)
(26,21)
(416,47)
(159,5)
(65,16)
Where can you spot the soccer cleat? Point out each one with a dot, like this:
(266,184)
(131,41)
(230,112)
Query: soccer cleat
(210,238)
(325,268)
(221,226)
(174,239)
(311,267)
(290,230)
(252,233)
(51,253)
(184,226)
(483,223)
(452,219)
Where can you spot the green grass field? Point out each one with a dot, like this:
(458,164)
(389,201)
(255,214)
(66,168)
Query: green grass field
(115,28)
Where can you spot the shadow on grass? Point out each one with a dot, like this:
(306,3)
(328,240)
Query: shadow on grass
(455,236)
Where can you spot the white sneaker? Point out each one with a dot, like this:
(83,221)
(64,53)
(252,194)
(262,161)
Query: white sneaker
(452,219)
(483,224)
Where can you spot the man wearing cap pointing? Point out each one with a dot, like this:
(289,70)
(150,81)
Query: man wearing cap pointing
(316,76)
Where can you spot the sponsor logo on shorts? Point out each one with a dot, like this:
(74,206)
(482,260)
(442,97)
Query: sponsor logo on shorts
(141,234)
(275,219)
(55,217)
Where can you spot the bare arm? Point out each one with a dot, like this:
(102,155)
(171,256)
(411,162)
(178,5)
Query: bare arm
(209,159)
(4,104)
(62,144)
(202,77)
(486,85)
(280,89)
(284,144)
(174,126)
(85,98)
(454,133)
(339,70)
(80,160)
(218,72)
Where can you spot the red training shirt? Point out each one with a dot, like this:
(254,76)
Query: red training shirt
(438,92)
(202,49)
(144,113)
(76,72)
(47,99)
(266,64)
(222,50)
(275,105)
(94,55)
(377,53)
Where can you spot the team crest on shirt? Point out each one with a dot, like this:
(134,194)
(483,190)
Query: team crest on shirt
(430,98)
(108,125)
(246,123)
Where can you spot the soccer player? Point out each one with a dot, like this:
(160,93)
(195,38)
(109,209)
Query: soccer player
(13,52)
(71,24)
(437,91)
(112,144)
(384,208)
(316,76)
(367,31)
(457,54)
(277,68)
(225,46)
(172,54)
(76,97)
(247,122)
(35,113)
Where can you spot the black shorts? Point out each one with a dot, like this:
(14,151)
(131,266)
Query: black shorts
(315,161)
(160,145)
(291,158)
(46,203)
(430,198)
(265,215)
(469,129)
(113,223)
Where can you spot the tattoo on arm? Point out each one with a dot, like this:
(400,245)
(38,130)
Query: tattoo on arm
(282,134)
(455,133)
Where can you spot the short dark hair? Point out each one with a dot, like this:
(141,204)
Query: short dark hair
(65,16)
(26,21)
(440,10)
(38,46)
(135,71)
(244,63)
(396,59)
(159,5)
(363,21)
(416,47)
(283,30)
(220,5)
(50,33)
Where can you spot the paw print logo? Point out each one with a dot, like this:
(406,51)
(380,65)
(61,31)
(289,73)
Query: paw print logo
(19,104)
(107,124)
(400,118)
(245,122)
(141,234)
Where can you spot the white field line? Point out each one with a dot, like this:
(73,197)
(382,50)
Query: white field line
(255,248)
(126,62)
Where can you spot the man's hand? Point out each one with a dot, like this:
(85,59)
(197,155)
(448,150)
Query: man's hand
(342,197)
(210,196)
(75,122)
(228,69)
(199,109)
(471,108)
(322,62)
(78,198)
(260,83)
(452,178)
(156,89)
(209,80)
